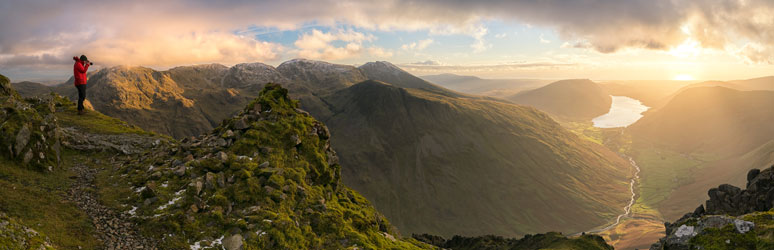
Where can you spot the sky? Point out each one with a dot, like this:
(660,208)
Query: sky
(544,39)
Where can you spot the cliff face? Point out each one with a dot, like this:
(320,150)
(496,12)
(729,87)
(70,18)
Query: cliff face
(733,218)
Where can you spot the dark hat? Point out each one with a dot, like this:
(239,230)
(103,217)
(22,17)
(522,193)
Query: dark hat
(83,58)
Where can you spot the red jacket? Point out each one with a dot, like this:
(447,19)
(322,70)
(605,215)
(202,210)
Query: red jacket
(79,71)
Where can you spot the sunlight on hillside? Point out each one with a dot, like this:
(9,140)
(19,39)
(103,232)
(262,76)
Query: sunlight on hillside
(683,77)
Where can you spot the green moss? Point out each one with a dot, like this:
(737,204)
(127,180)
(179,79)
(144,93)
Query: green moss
(724,238)
(92,121)
(38,200)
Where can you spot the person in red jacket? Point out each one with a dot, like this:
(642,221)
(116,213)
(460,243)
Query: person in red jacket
(79,73)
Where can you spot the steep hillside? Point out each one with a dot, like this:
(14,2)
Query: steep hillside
(442,165)
(387,72)
(714,120)
(498,88)
(650,93)
(568,99)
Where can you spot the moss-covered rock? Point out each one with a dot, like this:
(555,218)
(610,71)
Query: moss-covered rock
(267,175)
(734,219)
(14,235)
(28,129)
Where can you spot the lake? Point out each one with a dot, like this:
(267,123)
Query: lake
(624,111)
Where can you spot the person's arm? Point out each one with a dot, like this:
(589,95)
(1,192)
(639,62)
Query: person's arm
(80,68)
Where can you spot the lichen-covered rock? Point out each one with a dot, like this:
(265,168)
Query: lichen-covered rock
(732,219)
(14,235)
(28,129)
(273,185)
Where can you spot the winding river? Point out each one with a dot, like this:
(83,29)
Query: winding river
(624,111)
(628,208)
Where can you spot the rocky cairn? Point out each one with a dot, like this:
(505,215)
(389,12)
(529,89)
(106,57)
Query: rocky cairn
(733,218)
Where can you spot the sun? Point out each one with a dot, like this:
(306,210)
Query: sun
(683,77)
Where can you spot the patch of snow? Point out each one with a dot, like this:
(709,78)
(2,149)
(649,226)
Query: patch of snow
(685,231)
(743,226)
(242,157)
(133,212)
(139,189)
(197,245)
(173,200)
(150,167)
(164,184)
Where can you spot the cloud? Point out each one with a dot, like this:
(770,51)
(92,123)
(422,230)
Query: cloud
(434,66)
(543,40)
(42,32)
(480,44)
(419,45)
(379,52)
(426,63)
(501,35)
(319,45)
(754,53)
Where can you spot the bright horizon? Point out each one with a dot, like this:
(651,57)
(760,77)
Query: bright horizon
(641,40)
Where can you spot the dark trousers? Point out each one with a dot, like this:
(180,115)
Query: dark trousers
(81,95)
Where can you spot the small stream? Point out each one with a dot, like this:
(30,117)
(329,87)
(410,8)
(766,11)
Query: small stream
(628,208)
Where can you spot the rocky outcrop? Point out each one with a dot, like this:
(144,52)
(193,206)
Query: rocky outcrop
(28,128)
(266,178)
(731,213)
(14,235)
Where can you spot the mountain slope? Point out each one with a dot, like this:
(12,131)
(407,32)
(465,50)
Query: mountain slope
(427,131)
(442,165)
(577,99)
(498,88)
(713,120)
(266,178)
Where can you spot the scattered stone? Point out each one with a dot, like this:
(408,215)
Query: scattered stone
(229,133)
(22,138)
(27,156)
(209,180)
(221,180)
(743,226)
(265,164)
(233,242)
(296,141)
(220,142)
(180,170)
(114,230)
(223,156)
(240,124)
